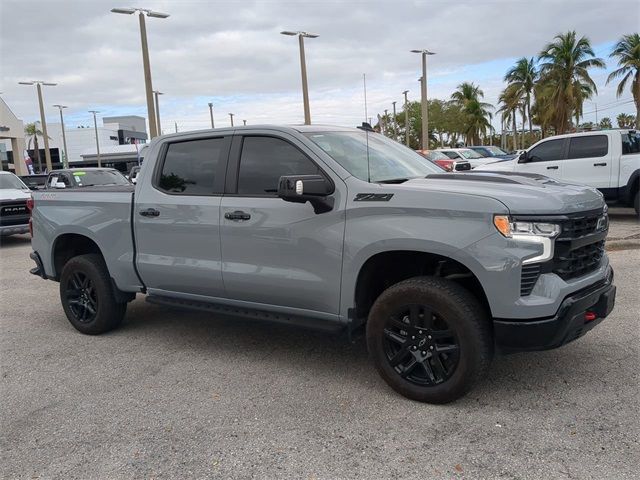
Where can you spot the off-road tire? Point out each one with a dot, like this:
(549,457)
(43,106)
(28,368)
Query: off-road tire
(463,314)
(108,312)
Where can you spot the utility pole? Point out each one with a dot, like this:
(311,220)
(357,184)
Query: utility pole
(156,93)
(142,13)
(95,127)
(364,83)
(176,125)
(231,117)
(406,118)
(211,114)
(244,122)
(386,121)
(303,68)
(423,96)
(395,125)
(65,159)
(43,121)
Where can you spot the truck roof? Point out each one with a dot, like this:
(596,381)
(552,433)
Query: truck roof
(275,128)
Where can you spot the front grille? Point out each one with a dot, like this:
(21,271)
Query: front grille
(579,226)
(14,213)
(578,262)
(529,277)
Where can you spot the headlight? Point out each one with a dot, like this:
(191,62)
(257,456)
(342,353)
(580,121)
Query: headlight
(512,229)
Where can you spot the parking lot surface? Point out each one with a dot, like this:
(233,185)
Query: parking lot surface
(176,394)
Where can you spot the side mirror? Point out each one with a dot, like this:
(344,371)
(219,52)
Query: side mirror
(314,189)
(33,186)
(523,158)
(59,185)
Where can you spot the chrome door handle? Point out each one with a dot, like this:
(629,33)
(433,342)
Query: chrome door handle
(237,215)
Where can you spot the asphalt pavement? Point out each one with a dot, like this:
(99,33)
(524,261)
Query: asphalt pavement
(186,395)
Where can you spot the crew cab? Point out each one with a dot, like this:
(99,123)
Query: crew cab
(343,230)
(14,214)
(608,160)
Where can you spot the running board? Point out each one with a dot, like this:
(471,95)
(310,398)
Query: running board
(323,324)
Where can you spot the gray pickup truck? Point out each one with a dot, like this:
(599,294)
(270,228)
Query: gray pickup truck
(339,229)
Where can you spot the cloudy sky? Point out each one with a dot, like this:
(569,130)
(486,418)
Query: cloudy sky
(231,53)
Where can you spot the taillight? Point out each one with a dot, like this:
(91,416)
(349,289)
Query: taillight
(446,164)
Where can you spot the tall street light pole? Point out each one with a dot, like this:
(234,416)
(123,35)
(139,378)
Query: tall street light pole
(395,125)
(142,13)
(244,122)
(303,67)
(231,117)
(95,127)
(423,97)
(406,118)
(43,121)
(65,161)
(211,114)
(156,94)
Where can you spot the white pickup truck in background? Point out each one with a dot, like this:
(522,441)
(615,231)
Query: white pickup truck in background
(608,160)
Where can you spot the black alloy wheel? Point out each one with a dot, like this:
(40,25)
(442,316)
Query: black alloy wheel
(81,297)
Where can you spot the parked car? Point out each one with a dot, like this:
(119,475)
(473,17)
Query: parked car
(133,174)
(37,181)
(14,212)
(608,160)
(491,151)
(445,162)
(85,177)
(475,159)
(343,230)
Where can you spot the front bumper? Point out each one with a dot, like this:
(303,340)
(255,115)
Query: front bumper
(13,229)
(568,324)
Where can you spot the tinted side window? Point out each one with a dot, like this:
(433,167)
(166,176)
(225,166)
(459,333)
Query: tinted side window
(452,155)
(190,167)
(587,147)
(264,160)
(547,151)
(630,143)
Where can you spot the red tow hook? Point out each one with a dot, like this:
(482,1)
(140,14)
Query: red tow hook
(589,316)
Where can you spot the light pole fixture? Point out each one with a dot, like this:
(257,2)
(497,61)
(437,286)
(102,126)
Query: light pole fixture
(406,118)
(303,68)
(143,12)
(156,94)
(95,127)
(231,117)
(43,121)
(211,114)
(423,98)
(65,160)
(395,126)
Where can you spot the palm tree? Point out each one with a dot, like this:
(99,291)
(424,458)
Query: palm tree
(565,68)
(625,120)
(605,123)
(32,132)
(628,52)
(511,102)
(468,97)
(522,77)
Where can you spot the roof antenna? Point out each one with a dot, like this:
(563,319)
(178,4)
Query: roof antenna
(365,124)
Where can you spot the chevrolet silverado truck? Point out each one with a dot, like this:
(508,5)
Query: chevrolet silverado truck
(338,229)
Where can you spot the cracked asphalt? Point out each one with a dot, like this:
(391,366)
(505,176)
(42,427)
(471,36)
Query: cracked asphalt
(185,395)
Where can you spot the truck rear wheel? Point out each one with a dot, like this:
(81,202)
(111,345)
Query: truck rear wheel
(429,339)
(636,203)
(87,295)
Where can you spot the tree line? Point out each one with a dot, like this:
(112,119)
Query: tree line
(548,92)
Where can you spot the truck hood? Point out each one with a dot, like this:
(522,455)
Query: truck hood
(521,193)
(13,194)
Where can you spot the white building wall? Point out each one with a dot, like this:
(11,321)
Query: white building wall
(82,140)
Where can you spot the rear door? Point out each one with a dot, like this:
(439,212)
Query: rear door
(589,161)
(177,214)
(275,252)
(546,158)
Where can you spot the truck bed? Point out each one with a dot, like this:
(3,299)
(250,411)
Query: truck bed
(103,214)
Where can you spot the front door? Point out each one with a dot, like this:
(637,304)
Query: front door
(276,252)
(176,218)
(546,158)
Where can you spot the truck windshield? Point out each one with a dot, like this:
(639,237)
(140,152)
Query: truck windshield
(10,181)
(387,160)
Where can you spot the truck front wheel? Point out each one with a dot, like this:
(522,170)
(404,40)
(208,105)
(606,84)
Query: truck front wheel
(87,295)
(429,339)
